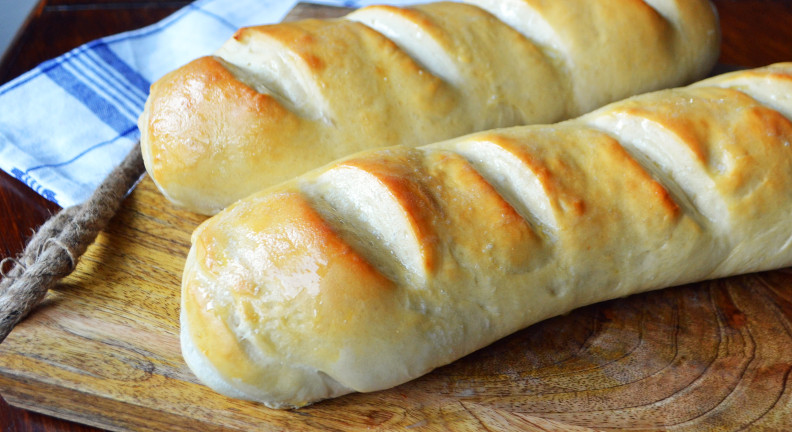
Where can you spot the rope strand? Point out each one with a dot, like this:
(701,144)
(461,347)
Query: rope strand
(57,246)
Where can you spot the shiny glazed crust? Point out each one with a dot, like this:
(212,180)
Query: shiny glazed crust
(382,266)
(276,101)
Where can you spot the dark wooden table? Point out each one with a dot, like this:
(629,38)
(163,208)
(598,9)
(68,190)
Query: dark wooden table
(755,33)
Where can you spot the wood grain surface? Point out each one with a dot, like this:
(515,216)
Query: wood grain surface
(103,349)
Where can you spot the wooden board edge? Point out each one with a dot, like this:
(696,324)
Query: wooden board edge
(92,410)
(307,10)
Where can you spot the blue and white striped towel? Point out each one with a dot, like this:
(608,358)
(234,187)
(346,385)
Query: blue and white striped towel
(65,124)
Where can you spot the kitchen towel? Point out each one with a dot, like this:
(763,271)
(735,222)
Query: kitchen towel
(67,123)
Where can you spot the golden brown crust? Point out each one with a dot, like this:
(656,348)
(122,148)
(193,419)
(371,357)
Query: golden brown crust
(276,101)
(215,125)
(384,265)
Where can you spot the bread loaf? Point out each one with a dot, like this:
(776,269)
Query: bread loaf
(375,269)
(278,100)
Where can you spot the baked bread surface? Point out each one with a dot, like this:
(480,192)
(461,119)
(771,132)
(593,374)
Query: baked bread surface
(384,265)
(276,101)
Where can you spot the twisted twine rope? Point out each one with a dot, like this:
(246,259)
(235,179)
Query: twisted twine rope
(54,250)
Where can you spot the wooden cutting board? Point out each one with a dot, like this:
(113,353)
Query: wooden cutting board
(103,350)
